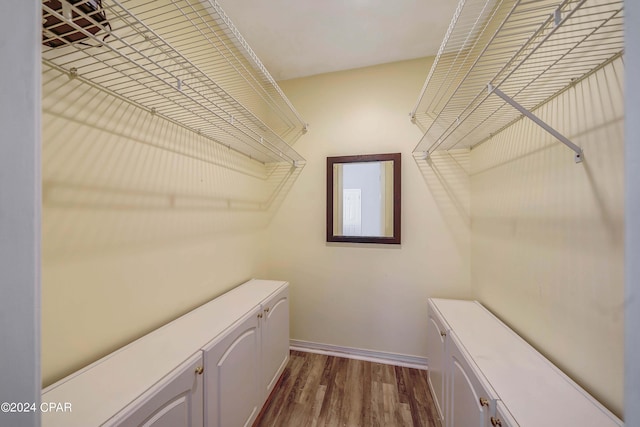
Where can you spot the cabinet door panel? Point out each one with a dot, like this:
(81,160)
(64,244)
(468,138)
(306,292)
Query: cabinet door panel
(275,340)
(503,417)
(436,341)
(172,415)
(232,381)
(466,391)
(175,402)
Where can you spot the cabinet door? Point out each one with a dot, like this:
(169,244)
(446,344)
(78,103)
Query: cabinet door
(503,417)
(471,403)
(175,402)
(436,345)
(275,339)
(231,371)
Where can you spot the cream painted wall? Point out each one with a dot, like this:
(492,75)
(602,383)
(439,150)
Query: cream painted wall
(357,295)
(142,221)
(547,234)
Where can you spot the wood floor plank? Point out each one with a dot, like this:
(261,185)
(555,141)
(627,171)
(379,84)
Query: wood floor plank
(337,401)
(353,399)
(401,381)
(308,393)
(277,399)
(426,409)
(377,403)
(326,373)
(325,391)
(328,379)
(390,409)
(317,405)
(365,417)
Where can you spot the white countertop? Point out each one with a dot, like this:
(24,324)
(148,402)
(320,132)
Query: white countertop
(535,391)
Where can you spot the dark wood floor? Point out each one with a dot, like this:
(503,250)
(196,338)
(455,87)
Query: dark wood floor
(319,390)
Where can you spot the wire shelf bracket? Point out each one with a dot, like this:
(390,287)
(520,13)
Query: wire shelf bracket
(537,120)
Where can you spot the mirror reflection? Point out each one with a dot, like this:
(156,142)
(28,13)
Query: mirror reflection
(363,198)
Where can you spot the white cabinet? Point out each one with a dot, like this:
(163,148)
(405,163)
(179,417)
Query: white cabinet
(470,403)
(243,366)
(240,340)
(482,374)
(175,402)
(462,398)
(274,329)
(232,375)
(503,417)
(436,345)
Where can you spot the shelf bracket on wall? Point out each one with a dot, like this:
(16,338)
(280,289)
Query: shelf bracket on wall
(578,156)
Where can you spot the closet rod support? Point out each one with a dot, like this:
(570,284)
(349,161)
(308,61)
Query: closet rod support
(578,156)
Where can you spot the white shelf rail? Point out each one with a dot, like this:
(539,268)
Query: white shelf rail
(525,52)
(182,60)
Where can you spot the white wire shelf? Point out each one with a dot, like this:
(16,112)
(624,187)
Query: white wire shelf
(529,50)
(179,59)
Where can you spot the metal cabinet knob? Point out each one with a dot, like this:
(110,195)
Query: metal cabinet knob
(266,310)
(495,422)
(484,402)
(199,370)
(443,334)
(259,315)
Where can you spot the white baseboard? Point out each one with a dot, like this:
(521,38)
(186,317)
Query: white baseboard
(415,362)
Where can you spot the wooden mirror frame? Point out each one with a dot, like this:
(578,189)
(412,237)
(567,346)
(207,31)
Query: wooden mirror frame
(397,166)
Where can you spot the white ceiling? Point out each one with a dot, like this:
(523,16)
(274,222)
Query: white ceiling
(296,38)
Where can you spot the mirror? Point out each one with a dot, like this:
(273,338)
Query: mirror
(363,199)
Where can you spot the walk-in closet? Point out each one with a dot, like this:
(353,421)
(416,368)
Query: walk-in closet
(231,213)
